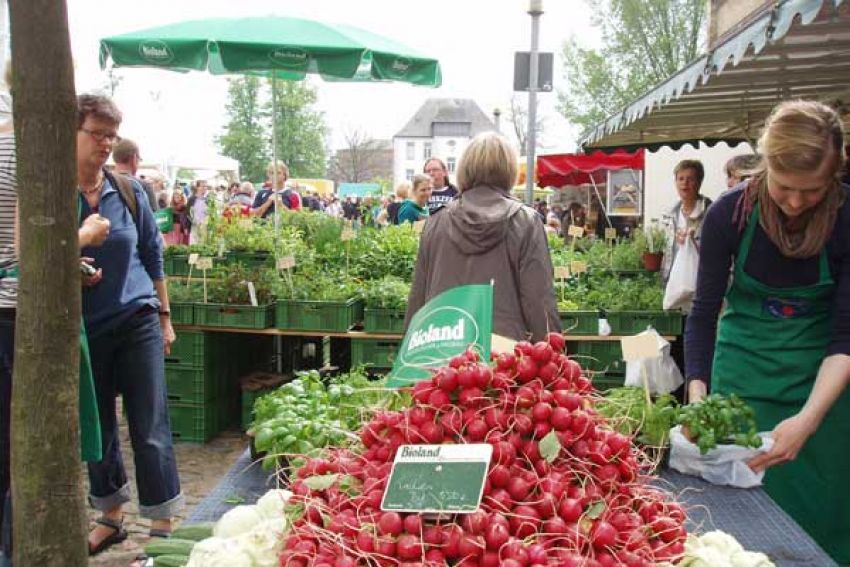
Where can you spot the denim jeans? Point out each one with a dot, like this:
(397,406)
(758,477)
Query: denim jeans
(7,353)
(129,360)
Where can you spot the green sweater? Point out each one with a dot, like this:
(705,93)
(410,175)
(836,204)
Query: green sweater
(411,212)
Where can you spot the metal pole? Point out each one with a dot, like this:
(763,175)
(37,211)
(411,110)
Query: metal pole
(274,152)
(535,9)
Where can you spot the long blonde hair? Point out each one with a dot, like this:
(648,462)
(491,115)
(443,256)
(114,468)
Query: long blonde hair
(798,137)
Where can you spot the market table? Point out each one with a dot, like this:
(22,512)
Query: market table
(749,515)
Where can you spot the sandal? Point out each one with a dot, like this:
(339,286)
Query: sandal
(117,536)
(159,532)
(142,560)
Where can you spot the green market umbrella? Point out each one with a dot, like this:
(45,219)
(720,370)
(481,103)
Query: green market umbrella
(279,47)
(285,48)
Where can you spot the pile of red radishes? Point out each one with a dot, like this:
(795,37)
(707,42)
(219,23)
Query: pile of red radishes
(583,501)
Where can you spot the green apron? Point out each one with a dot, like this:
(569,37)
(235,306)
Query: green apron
(770,345)
(90,438)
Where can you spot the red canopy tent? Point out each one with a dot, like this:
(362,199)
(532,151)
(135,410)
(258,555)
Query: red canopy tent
(576,169)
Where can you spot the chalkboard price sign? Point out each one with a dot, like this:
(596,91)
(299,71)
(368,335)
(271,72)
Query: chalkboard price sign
(437,478)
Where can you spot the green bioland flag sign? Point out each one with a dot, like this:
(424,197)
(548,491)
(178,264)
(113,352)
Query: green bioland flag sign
(458,318)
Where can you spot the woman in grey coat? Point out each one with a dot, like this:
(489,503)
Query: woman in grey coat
(488,235)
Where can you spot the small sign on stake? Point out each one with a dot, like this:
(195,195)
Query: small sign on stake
(575,231)
(285,262)
(437,478)
(252,293)
(204,263)
(245,223)
(418,226)
(578,267)
(610,234)
(639,347)
(562,272)
(193,258)
(347,234)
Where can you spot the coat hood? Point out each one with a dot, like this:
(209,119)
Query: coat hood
(479,218)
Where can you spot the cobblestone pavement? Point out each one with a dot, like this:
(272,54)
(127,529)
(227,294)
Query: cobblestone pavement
(200,466)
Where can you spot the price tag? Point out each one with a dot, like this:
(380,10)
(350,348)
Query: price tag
(193,258)
(204,263)
(285,262)
(437,478)
(347,234)
(221,248)
(498,343)
(578,267)
(610,234)
(639,347)
(252,293)
(419,226)
(576,231)
(245,223)
(562,272)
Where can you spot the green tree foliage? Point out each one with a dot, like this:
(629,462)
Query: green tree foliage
(300,129)
(643,43)
(246,137)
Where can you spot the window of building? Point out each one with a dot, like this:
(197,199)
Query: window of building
(411,149)
(450,164)
(408,174)
(426,150)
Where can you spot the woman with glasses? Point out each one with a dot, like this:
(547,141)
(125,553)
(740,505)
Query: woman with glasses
(129,327)
(783,336)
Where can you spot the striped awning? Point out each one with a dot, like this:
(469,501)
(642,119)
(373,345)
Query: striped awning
(797,49)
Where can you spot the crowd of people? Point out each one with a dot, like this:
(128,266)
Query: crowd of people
(769,321)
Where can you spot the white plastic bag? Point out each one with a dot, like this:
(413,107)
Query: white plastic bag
(723,465)
(662,373)
(682,283)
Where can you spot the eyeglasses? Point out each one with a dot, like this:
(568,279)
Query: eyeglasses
(100,136)
(433,169)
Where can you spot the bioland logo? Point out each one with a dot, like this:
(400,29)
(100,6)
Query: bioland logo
(399,67)
(156,52)
(288,57)
(445,327)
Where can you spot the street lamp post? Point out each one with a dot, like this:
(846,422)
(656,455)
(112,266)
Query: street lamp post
(535,9)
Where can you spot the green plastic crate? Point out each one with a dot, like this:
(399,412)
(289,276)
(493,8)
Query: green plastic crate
(182,313)
(192,384)
(176,265)
(250,259)
(190,349)
(195,423)
(579,322)
(634,322)
(598,356)
(241,316)
(383,320)
(305,315)
(377,353)
(248,398)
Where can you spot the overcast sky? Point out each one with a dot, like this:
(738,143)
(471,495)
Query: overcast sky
(474,40)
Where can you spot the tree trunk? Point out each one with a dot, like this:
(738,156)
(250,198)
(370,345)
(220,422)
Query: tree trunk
(47,497)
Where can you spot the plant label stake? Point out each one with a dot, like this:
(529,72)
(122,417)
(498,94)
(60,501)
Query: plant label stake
(221,248)
(561,273)
(347,234)
(611,234)
(204,264)
(193,259)
(575,232)
(252,293)
(285,262)
(419,226)
(640,348)
(578,267)
(437,479)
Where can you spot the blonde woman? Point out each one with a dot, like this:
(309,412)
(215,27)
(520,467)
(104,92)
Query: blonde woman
(402,190)
(416,207)
(273,189)
(783,338)
(487,235)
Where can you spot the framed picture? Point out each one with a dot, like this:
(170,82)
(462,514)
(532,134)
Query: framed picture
(625,193)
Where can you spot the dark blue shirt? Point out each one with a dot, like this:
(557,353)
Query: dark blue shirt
(718,248)
(264,195)
(131,259)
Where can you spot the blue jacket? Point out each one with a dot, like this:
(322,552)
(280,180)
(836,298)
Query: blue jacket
(131,259)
